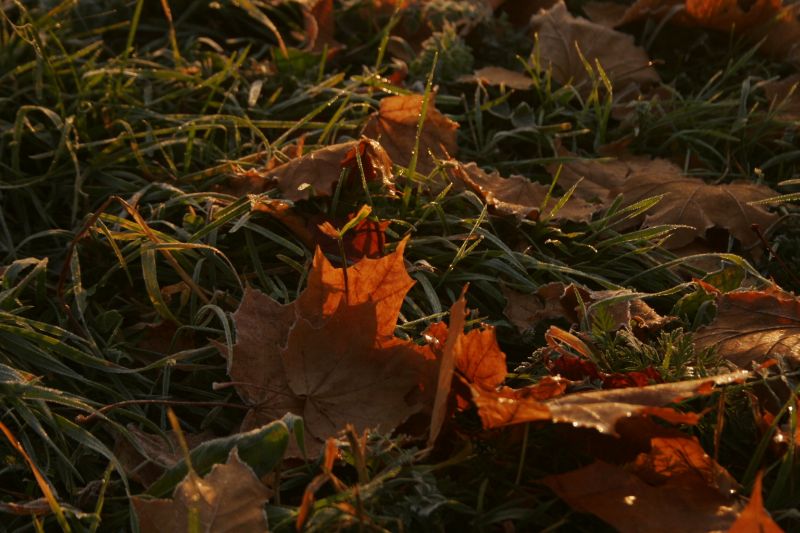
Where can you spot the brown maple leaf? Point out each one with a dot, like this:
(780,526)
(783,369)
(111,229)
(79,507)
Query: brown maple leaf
(230,498)
(754,517)
(600,179)
(687,201)
(518,196)
(331,356)
(317,173)
(395,126)
(753,326)
(561,36)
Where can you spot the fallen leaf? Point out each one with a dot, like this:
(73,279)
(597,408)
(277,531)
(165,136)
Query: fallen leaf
(447,364)
(507,406)
(754,517)
(518,196)
(395,124)
(344,372)
(687,201)
(692,202)
(770,20)
(753,326)
(720,15)
(557,300)
(561,35)
(501,77)
(599,410)
(230,498)
(331,356)
(319,25)
(601,179)
(476,355)
(365,239)
(383,281)
(629,504)
(784,96)
(317,173)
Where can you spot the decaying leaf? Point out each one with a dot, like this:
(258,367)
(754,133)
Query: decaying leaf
(770,20)
(557,300)
(395,126)
(676,497)
(712,14)
(785,97)
(753,326)
(754,517)
(317,173)
(365,239)
(563,38)
(518,196)
(331,356)
(230,498)
(601,179)
(692,202)
(599,410)
(476,355)
(500,76)
(687,201)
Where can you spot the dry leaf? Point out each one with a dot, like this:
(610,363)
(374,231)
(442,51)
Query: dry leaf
(500,76)
(317,173)
(319,25)
(601,179)
(778,25)
(518,196)
(600,410)
(786,102)
(383,281)
(365,239)
(395,126)
(687,201)
(720,15)
(507,406)
(753,326)
(692,202)
(447,364)
(560,35)
(754,517)
(629,504)
(331,356)
(557,300)
(344,372)
(229,499)
(477,357)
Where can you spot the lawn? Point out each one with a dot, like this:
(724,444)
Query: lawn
(384,265)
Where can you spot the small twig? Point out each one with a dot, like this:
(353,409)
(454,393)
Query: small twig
(82,419)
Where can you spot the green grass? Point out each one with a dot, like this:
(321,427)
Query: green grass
(122,262)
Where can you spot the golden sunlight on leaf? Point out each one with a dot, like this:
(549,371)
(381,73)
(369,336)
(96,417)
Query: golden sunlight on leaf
(229,499)
(753,326)
(395,126)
